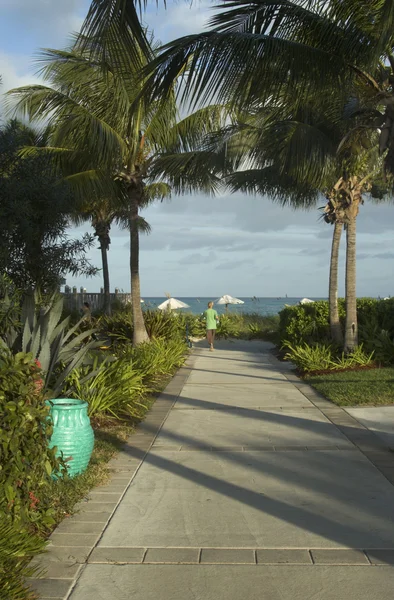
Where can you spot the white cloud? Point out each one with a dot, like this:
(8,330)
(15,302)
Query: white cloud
(179,19)
(49,18)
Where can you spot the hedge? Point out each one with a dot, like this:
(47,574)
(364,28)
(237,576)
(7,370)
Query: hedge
(310,322)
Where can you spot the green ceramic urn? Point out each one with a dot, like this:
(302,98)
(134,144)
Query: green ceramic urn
(72,433)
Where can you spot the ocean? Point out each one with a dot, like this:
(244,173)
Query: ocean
(261,306)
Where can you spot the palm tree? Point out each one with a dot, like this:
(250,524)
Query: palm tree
(102,212)
(294,155)
(107,137)
(258,50)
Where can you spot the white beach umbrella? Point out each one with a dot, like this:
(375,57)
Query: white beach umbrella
(306,301)
(171,304)
(229,300)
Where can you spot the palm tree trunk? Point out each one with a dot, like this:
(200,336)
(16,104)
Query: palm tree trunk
(140,334)
(107,293)
(335,325)
(351,333)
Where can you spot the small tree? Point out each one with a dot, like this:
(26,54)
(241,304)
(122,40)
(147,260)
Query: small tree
(34,207)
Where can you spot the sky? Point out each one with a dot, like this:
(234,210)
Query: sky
(204,246)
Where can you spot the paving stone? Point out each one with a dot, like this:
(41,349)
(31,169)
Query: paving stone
(280,556)
(104,497)
(192,447)
(290,448)
(259,448)
(132,458)
(69,526)
(162,447)
(172,555)
(94,517)
(95,506)
(71,554)
(56,569)
(322,448)
(51,588)
(339,557)
(117,555)
(381,458)
(227,556)
(380,557)
(73,539)
(113,487)
(227,449)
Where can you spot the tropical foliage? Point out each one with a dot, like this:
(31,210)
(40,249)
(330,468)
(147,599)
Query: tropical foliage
(17,547)
(57,347)
(311,358)
(34,215)
(106,137)
(26,461)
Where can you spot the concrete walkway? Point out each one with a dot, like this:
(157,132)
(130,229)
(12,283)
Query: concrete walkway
(242,484)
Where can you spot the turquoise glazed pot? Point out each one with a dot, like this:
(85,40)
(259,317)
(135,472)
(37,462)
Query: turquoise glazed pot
(72,433)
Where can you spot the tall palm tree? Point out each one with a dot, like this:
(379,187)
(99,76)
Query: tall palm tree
(296,154)
(258,50)
(107,136)
(102,212)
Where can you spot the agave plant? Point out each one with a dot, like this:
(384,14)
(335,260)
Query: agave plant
(52,342)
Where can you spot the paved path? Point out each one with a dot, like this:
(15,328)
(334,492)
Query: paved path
(254,488)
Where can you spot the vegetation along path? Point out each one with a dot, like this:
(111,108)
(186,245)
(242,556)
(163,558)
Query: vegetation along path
(242,483)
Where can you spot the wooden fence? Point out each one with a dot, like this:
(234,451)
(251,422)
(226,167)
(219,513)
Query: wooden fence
(74,299)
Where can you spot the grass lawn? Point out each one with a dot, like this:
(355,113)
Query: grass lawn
(353,388)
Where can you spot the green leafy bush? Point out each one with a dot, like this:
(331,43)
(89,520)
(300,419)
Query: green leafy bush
(10,310)
(113,388)
(118,327)
(228,326)
(305,323)
(310,322)
(118,386)
(57,347)
(17,547)
(322,357)
(379,341)
(309,358)
(158,358)
(26,462)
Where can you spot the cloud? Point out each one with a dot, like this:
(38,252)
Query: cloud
(178,19)
(385,255)
(231,265)
(49,20)
(197,259)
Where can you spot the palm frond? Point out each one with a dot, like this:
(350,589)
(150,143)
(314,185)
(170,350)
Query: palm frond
(278,187)
(111,20)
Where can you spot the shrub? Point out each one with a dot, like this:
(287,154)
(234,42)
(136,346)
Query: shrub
(118,327)
(310,322)
(305,323)
(17,547)
(158,358)
(26,462)
(380,342)
(10,310)
(164,324)
(58,347)
(228,326)
(118,385)
(113,388)
(323,357)
(309,358)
